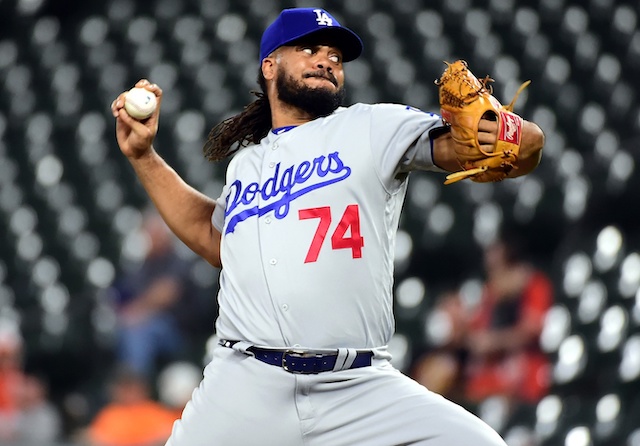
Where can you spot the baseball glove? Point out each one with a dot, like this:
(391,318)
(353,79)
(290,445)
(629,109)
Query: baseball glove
(464,100)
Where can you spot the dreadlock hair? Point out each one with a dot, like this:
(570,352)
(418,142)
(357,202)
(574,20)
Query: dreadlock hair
(247,127)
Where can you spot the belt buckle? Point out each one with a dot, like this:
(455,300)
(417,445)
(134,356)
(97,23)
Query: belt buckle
(297,353)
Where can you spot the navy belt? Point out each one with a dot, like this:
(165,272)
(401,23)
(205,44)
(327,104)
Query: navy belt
(302,361)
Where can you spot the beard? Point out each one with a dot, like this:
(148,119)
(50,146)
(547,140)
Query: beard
(317,102)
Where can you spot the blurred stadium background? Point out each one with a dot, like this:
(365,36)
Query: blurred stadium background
(70,206)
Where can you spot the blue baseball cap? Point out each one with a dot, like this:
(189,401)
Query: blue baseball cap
(296,23)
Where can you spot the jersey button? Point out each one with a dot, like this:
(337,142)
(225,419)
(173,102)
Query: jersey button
(272,164)
(267,220)
(285,307)
(275,146)
(273,261)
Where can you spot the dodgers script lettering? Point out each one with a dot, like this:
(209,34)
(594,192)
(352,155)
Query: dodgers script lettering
(284,186)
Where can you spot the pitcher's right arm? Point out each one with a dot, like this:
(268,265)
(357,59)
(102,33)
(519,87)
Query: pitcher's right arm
(185,210)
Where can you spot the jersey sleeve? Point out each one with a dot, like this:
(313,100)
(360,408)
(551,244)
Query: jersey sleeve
(402,138)
(217,218)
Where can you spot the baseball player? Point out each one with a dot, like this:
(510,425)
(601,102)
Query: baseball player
(304,233)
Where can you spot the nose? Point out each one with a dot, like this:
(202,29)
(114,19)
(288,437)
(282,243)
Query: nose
(322,59)
(328,67)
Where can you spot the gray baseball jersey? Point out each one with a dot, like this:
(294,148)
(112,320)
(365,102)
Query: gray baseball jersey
(308,221)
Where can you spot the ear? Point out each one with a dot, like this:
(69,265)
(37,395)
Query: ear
(269,68)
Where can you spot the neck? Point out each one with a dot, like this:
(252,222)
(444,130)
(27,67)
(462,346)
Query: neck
(283,115)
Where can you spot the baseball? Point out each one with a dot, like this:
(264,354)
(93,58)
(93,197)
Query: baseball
(140,103)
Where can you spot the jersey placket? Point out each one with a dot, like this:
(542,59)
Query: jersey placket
(269,247)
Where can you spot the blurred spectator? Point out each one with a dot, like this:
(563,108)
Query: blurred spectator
(131,417)
(494,347)
(11,378)
(148,300)
(505,357)
(39,421)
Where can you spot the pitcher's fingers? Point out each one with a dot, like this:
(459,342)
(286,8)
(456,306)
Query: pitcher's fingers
(134,124)
(488,148)
(487,138)
(142,83)
(117,104)
(155,89)
(484,125)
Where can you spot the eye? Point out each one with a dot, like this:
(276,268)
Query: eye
(335,58)
(307,50)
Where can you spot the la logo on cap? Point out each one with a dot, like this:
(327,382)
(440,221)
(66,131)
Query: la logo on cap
(322,18)
(294,24)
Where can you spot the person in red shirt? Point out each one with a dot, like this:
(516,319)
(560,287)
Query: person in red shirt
(504,354)
(492,348)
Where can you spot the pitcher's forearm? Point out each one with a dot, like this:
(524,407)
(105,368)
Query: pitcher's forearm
(186,211)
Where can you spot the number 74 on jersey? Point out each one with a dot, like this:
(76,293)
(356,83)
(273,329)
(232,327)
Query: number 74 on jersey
(345,236)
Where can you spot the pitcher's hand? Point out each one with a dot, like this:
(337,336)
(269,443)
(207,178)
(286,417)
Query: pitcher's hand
(135,137)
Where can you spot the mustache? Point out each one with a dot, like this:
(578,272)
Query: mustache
(323,74)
